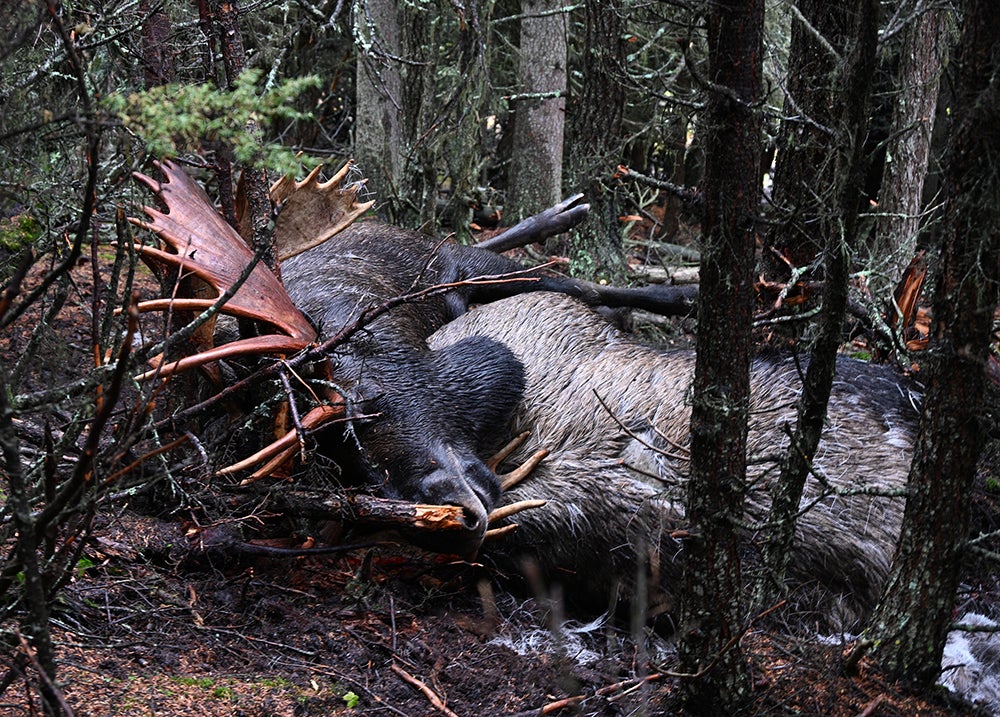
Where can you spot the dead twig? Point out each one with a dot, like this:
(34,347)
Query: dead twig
(870,708)
(624,688)
(432,697)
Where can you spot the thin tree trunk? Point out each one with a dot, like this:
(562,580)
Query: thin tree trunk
(839,228)
(712,614)
(378,131)
(36,593)
(910,625)
(536,161)
(462,148)
(900,197)
(805,173)
(595,140)
(226,13)
(157,61)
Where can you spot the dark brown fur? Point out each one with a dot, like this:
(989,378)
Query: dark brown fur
(435,414)
(439,411)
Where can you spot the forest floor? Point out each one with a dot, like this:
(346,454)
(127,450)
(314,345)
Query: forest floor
(141,631)
(373,634)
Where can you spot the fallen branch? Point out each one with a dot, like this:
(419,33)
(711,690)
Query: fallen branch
(870,708)
(624,687)
(427,691)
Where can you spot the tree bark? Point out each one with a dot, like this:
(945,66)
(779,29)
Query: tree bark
(900,197)
(595,140)
(910,624)
(36,592)
(537,155)
(378,131)
(157,60)
(805,173)
(711,614)
(838,226)
(255,184)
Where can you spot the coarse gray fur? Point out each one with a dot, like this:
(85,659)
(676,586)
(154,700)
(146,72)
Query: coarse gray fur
(614,413)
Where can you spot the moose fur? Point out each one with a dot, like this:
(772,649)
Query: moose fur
(436,412)
(614,414)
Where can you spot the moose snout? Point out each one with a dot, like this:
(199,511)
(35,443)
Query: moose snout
(469,485)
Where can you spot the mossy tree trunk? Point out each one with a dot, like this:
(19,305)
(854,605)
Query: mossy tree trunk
(423,92)
(910,625)
(378,132)
(712,614)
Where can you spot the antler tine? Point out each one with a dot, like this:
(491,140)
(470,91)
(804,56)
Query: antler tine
(267,344)
(209,248)
(284,448)
(287,186)
(506,511)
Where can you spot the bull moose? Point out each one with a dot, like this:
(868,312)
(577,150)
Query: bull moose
(439,387)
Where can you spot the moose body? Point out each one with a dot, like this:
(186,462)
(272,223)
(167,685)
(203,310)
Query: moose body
(615,416)
(436,412)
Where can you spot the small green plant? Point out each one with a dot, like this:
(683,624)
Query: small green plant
(222,693)
(351,700)
(18,232)
(83,565)
(993,484)
(172,119)
(275,682)
(205,682)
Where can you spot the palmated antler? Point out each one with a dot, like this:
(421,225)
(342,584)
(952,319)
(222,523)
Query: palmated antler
(313,211)
(203,244)
(206,246)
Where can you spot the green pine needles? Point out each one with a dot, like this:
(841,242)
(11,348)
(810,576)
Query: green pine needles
(176,118)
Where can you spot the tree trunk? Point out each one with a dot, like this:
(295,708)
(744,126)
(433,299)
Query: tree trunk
(900,197)
(838,227)
(595,140)
(911,622)
(537,155)
(420,34)
(157,61)
(378,133)
(36,597)
(462,148)
(254,180)
(422,92)
(805,172)
(712,615)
